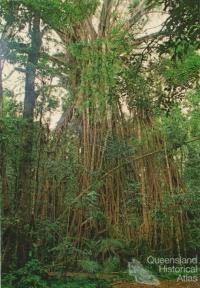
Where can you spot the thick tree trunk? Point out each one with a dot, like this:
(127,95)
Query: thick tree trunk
(33,56)
(1,88)
(24,196)
(26,163)
(5,196)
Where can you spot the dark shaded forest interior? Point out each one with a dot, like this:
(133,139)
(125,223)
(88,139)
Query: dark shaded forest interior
(117,176)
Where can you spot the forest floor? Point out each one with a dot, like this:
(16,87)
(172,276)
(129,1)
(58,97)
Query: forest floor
(163,284)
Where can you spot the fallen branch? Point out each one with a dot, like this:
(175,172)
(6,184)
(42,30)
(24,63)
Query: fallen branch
(103,276)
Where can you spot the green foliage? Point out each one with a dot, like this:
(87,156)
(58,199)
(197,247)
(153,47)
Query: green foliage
(175,122)
(89,266)
(111,246)
(193,106)
(66,251)
(61,14)
(184,71)
(133,4)
(32,275)
(182,25)
(111,264)
(117,149)
(100,64)
(8,280)
(32,281)
(191,171)
(78,282)
(28,276)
